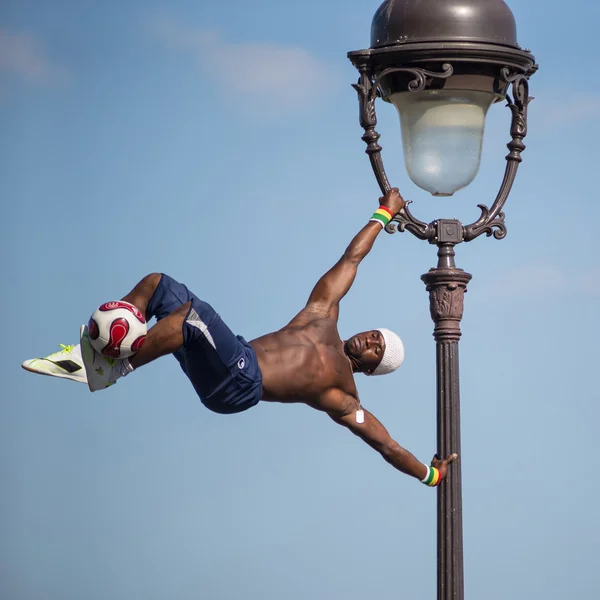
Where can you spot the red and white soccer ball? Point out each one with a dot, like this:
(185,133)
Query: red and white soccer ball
(117,329)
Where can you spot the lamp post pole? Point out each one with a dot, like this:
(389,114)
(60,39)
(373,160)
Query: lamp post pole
(446,286)
(428,57)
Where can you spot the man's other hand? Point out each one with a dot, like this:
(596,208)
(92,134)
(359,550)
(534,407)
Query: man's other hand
(442,465)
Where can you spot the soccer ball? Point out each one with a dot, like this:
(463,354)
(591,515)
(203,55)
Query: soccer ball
(117,329)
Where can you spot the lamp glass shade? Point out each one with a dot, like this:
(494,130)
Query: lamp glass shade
(442,135)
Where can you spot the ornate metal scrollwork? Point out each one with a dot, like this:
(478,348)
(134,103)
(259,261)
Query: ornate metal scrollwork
(421,76)
(491,221)
(368,92)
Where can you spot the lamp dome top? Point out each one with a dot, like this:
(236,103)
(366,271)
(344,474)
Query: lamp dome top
(406,21)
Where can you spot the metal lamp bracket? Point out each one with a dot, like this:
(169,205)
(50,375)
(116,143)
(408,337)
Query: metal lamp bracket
(491,221)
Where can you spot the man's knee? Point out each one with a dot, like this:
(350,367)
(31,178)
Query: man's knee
(151,280)
(165,296)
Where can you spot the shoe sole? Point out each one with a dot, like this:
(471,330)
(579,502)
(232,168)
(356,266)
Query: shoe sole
(60,376)
(82,345)
(86,346)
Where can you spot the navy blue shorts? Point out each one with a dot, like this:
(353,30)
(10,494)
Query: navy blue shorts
(221,366)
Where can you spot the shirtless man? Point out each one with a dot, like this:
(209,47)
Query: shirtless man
(305,361)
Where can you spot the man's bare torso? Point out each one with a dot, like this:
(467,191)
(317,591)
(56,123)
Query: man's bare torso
(302,361)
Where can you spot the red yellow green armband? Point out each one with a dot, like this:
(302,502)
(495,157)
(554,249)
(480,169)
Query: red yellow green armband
(382,216)
(433,477)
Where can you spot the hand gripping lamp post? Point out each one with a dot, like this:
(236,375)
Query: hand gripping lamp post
(443,64)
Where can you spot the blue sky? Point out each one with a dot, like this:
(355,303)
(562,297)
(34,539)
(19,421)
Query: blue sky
(219,142)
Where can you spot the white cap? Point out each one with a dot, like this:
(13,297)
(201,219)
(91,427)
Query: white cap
(393,355)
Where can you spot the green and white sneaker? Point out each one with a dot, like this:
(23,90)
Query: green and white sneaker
(102,371)
(67,363)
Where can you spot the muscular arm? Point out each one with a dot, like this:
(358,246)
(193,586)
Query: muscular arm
(334,285)
(376,435)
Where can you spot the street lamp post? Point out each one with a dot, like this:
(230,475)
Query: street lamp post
(443,63)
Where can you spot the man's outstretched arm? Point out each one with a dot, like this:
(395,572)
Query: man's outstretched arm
(372,431)
(334,285)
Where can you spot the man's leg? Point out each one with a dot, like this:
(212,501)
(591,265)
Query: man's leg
(156,295)
(165,337)
(221,366)
(142,293)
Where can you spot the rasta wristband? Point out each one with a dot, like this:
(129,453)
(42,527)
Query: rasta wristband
(382,216)
(432,478)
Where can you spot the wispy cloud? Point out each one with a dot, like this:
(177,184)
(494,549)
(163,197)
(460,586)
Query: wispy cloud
(280,78)
(22,55)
